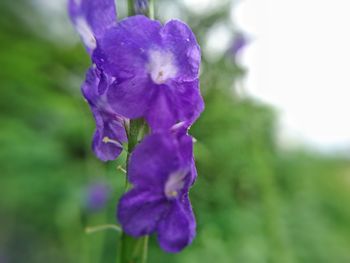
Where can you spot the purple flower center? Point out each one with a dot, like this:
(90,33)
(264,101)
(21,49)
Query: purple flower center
(161,66)
(174,184)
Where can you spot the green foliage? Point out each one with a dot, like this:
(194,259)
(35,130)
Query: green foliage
(254,203)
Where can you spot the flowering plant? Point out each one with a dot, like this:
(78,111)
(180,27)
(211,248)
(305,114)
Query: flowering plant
(144,74)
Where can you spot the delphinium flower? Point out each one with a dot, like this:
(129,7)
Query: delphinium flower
(156,70)
(110,131)
(161,170)
(97,196)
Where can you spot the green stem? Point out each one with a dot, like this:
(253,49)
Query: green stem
(145,249)
(90,230)
(131,9)
(151,9)
(132,250)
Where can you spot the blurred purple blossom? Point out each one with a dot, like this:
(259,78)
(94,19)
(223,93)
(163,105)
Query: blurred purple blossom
(97,197)
(3,259)
(240,41)
(141,6)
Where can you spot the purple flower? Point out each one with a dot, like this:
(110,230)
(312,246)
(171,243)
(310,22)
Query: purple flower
(110,131)
(92,18)
(140,6)
(156,70)
(97,196)
(161,170)
(239,43)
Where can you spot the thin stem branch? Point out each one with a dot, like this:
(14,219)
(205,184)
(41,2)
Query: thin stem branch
(151,9)
(94,229)
(131,9)
(120,168)
(145,250)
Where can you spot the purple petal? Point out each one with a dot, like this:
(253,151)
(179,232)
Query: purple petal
(176,230)
(153,160)
(194,173)
(96,83)
(92,18)
(108,137)
(131,98)
(186,203)
(188,100)
(110,132)
(180,40)
(139,211)
(122,52)
(162,114)
(175,102)
(186,146)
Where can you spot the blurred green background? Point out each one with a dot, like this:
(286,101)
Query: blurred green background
(253,201)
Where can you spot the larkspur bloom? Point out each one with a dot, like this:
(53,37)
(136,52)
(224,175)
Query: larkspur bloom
(161,170)
(92,18)
(97,196)
(156,70)
(110,131)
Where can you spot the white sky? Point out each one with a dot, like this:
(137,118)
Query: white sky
(299,61)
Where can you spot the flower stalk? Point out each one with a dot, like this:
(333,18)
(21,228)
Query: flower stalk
(133,250)
(131,9)
(151,9)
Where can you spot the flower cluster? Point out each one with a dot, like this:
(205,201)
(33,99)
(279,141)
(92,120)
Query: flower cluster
(143,69)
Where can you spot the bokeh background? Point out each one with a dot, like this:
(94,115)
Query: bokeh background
(255,199)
